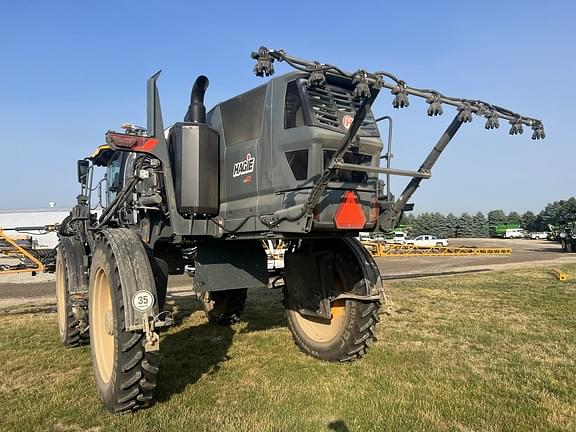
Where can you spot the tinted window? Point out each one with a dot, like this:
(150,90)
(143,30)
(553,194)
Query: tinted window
(293,113)
(298,161)
(113,177)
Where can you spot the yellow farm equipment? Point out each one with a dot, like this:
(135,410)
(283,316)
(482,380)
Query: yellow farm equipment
(20,254)
(17,258)
(390,250)
(560,275)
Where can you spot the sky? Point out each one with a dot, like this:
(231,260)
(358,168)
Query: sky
(70,71)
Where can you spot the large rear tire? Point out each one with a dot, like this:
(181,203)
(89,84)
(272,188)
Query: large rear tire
(124,371)
(224,307)
(350,331)
(72,325)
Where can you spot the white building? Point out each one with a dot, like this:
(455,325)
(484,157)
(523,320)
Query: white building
(34,217)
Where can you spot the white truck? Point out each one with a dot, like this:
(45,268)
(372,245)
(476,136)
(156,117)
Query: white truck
(538,235)
(515,233)
(427,241)
(399,237)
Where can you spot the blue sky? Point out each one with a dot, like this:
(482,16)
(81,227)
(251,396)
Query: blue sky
(69,71)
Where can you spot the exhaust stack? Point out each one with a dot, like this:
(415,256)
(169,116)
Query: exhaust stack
(197,110)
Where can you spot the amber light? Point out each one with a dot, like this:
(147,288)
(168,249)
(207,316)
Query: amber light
(350,214)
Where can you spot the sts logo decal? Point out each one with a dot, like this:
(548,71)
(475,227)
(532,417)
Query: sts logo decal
(244,167)
(347,121)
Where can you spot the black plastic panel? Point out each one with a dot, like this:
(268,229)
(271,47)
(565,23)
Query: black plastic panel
(242,116)
(196,168)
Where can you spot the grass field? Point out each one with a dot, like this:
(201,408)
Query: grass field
(482,352)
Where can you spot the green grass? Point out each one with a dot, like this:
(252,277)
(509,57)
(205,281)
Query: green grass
(482,352)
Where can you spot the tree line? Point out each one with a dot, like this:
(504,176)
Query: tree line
(480,225)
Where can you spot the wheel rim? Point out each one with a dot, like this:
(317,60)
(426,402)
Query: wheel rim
(324,331)
(61,295)
(102,326)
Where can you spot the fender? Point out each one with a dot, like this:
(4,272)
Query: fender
(309,274)
(135,274)
(74,252)
(372,279)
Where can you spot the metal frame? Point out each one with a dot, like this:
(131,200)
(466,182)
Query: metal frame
(18,250)
(367,81)
(390,250)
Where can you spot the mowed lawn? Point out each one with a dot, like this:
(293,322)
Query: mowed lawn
(483,352)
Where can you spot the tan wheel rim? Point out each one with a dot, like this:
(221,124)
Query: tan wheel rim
(61,295)
(102,326)
(319,331)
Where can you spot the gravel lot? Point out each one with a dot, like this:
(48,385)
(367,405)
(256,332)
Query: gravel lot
(26,292)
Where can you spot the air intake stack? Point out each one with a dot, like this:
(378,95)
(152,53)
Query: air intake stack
(197,110)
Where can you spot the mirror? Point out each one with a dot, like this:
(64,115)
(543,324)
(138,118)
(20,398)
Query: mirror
(83,168)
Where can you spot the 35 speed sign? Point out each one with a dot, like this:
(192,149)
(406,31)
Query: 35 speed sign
(142,300)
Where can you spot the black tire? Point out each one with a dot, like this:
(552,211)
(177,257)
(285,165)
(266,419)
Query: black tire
(350,332)
(569,245)
(43,253)
(72,327)
(224,307)
(124,371)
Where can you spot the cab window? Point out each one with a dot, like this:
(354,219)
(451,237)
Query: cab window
(114,177)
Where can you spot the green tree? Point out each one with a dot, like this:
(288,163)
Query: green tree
(514,218)
(560,212)
(480,225)
(528,221)
(496,217)
(451,222)
(464,226)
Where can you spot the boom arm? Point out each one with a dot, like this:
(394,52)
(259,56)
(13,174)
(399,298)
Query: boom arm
(365,81)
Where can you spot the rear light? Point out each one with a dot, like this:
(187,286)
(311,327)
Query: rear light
(350,214)
(133,142)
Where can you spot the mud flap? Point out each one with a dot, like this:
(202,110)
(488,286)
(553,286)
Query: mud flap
(228,265)
(137,279)
(372,281)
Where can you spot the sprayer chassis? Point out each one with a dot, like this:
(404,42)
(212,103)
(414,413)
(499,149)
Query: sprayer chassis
(296,159)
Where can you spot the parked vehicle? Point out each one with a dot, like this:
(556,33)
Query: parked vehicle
(501,229)
(515,233)
(538,235)
(427,241)
(399,237)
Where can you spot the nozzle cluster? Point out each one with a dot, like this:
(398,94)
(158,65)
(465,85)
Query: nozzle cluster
(364,83)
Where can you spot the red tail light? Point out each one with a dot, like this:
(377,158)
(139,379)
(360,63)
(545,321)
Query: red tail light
(350,214)
(133,142)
